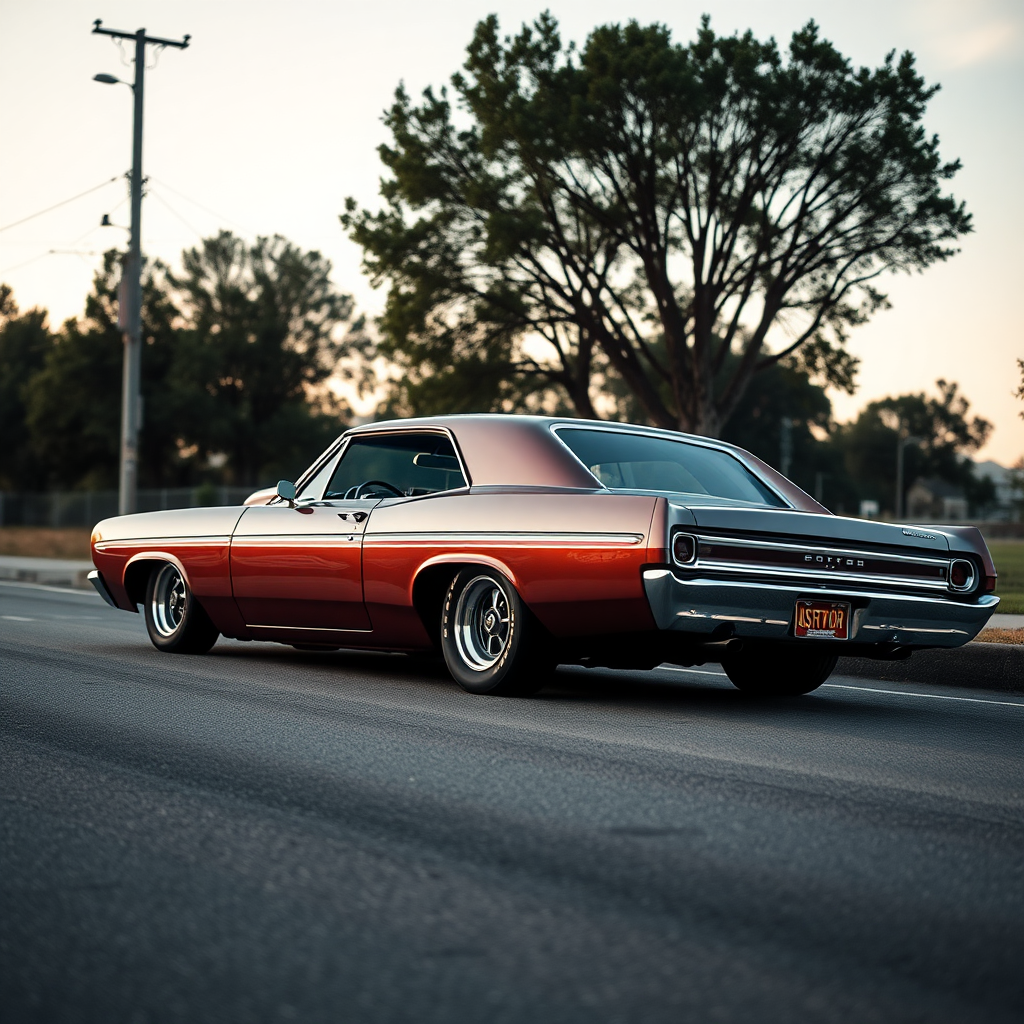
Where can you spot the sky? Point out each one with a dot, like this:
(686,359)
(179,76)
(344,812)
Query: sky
(272,117)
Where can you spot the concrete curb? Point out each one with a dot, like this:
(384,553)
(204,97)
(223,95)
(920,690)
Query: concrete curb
(58,574)
(973,667)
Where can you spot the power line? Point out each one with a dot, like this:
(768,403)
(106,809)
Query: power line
(63,202)
(51,252)
(156,195)
(205,209)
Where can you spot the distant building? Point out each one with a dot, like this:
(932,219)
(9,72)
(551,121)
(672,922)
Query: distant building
(1009,490)
(936,499)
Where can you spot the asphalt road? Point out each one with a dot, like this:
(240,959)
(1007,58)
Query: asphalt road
(261,834)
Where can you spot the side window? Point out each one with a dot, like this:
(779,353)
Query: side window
(313,488)
(383,465)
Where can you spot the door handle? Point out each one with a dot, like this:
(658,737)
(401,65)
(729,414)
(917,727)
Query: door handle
(355,517)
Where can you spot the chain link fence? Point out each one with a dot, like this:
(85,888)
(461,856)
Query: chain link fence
(86,508)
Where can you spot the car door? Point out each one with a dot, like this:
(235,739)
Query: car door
(300,569)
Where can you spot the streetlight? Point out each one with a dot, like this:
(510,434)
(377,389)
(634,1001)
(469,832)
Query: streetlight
(131,274)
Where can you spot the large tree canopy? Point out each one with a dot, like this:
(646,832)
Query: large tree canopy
(264,327)
(655,212)
(237,349)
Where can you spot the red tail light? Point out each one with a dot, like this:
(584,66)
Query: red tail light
(684,548)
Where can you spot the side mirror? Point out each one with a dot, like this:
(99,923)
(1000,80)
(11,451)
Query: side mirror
(286,491)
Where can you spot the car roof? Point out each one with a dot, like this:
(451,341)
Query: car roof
(511,450)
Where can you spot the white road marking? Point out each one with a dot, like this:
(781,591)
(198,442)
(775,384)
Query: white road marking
(933,696)
(55,590)
(17,618)
(693,671)
(867,689)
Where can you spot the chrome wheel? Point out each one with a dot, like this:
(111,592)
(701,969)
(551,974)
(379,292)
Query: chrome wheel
(482,623)
(168,601)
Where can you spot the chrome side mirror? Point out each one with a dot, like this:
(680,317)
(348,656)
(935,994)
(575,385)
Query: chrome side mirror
(286,491)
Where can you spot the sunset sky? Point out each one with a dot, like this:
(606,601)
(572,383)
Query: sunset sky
(271,118)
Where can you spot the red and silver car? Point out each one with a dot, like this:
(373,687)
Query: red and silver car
(513,543)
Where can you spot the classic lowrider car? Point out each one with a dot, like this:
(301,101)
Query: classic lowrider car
(514,543)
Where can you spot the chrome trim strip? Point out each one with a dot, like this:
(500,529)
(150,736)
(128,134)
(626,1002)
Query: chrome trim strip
(296,539)
(525,537)
(825,594)
(811,549)
(308,629)
(157,542)
(752,568)
(812,573)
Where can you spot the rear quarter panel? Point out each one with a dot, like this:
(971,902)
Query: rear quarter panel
(574,558)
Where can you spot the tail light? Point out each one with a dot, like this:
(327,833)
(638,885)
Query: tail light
(961,574)
(684,548)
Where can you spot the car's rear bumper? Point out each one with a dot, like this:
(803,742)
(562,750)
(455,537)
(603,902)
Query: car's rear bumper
(765,610)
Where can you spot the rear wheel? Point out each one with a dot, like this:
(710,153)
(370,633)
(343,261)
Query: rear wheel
(778,671)
(175,620)
(490,641)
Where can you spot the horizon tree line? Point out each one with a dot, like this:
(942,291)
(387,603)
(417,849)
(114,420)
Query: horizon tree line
(681,234)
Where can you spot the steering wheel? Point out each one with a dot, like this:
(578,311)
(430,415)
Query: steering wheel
(359,491)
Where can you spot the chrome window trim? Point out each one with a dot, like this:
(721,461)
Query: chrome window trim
(622,428)
(346,440)
(713,565)
(317,464)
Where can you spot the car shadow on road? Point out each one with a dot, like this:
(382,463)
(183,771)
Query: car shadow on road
(663,690)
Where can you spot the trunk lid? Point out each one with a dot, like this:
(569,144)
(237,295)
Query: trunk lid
(783,523)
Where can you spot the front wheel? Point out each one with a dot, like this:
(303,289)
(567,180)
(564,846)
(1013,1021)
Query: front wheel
(490,641)
(778,671)
(176,622)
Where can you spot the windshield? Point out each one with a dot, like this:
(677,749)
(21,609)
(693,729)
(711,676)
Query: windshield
(641,462)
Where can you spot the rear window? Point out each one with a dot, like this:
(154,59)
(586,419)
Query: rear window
(641,462)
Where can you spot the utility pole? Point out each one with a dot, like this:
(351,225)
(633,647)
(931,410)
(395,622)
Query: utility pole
(901,447)
(131,398)
(785,445)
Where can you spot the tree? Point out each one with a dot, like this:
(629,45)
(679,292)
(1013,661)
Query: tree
(73,402)
(263,329)
(947,434)
(236,352)
(25,339)
(785,392)
(650,211)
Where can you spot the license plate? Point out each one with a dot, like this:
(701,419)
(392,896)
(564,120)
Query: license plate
(823,620)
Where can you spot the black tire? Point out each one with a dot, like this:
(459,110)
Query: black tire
(781,670)
(490,641)
(175,620)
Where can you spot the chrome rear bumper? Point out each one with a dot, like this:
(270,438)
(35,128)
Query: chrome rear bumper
(765,610)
